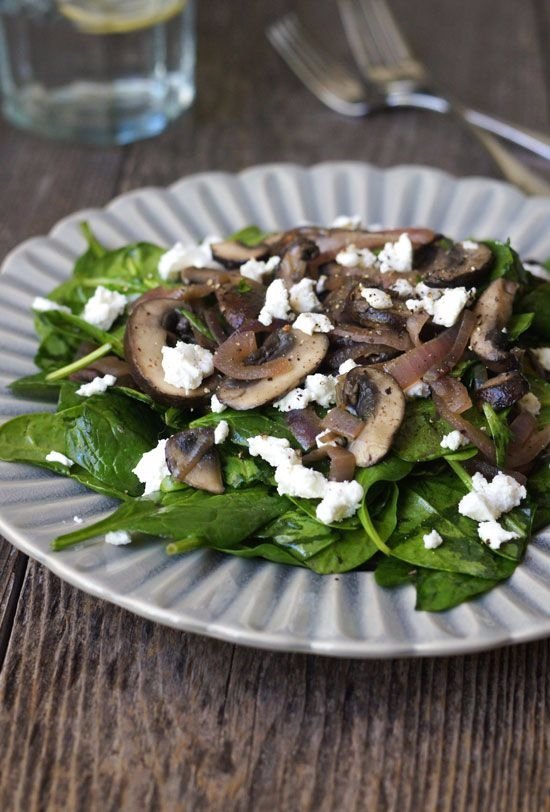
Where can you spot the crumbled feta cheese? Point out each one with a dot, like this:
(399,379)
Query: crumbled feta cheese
(77,520)
(185,365)
(418,390)
(489,500)
(352,257)
(396,256)
(181,256)
(104,307)
(470,245)
(216,405)
(351,221)
(538,270)
(325,437)
(297,480)
(347,366)
(274,450)
(448,307)
(542,354)
(376,298)
(256,269)
(341,500)
(302,296)
(313,323)
(277,303)
(494,534)
(402,288)
(97,386)
(453,441)
(41,305)
(221,432)
(55,456)
(295,399)
(118,537)
(432,540)
(152,468)
(322,389)
(321,283)
(530,403)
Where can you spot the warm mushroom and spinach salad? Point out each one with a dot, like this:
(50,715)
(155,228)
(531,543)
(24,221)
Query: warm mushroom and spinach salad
(335,398)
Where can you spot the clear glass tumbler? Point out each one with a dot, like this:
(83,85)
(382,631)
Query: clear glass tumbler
(96,71)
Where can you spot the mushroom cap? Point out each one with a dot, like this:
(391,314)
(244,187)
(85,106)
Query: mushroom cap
(456,266)
(492,311)
(305,354)
(380,403)
(233,254)
(503,390)
(192,458)
(145,336)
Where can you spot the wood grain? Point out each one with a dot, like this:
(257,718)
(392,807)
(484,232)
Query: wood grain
(102,710)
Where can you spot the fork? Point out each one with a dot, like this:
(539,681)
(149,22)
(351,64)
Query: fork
(335,86)
(385,60)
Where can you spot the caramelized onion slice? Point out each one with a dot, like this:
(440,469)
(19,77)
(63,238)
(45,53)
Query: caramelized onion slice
(342,461)
(454,393)
(474,435)
(343,422)
(524,453)
(410,367)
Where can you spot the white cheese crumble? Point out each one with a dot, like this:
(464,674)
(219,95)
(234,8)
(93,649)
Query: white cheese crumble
(104,307)
(542,354)
(41,305)
(341,500)
(318,387)
(256,269)
(530,403)
(347,366)
(443,305)
(352,257)
(396,256)
(118,537)
(321,283)
(297,480)
(303,298)
(152,468)
(56,456)
(185,365)
(277,303)
(470,245)
(351,221)
(418,390)
(402,288)
(97,386)
(216,405)
(432,540)
(537,269)
(274,450)
(181,256)
(494,534)
(313,323)
(376,298)
(453,441)
(77,520)
(489,500)
(221,432)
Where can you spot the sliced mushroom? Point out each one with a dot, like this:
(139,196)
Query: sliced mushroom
(240,301)
(492,311)
(380,403)
(332,240)
(503,390)
(361,312)
(456,266)
(146,334)
(304,356)
(192,458)
(233,254)
(295,262)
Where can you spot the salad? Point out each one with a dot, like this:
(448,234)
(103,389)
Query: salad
(335,398)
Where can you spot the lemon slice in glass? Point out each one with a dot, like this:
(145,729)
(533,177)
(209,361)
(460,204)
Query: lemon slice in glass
(118,16)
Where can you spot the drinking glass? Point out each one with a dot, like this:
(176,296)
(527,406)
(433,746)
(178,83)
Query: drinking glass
(97,71)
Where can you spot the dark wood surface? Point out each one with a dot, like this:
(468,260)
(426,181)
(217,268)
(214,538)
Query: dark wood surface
(102,710)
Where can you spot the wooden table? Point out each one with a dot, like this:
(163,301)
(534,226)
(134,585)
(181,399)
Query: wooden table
(103,710)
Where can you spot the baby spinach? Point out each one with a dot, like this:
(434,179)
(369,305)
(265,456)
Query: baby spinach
(500,431)
(248,424)
(439,591)
(537,301)
(506,262)
(251,236)
(390,470)
(391,572)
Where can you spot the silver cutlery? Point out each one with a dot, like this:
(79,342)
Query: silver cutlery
(342,91)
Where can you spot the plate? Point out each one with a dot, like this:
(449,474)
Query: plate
(255,602)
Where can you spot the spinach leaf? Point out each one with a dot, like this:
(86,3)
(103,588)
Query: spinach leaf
(537,301)
(420,435)
(506,263)
(31,437)
(247,424)
(197,323)
(267,550)
(431,502)
(299,533)
(391,572)
(251,236)
(75,330)
(500,431)
(541,390)
(519,324)
(35,387)
(309,507)
(350,549)
(438,591)
(390,470)
(222,520)
(538,487)
(239,470)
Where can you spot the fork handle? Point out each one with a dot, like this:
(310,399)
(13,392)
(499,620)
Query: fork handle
(531,140)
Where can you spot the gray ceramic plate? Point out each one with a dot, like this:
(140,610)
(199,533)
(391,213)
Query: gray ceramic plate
(255,602)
